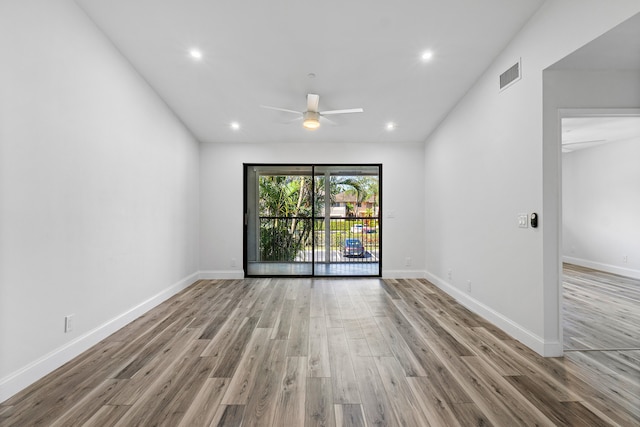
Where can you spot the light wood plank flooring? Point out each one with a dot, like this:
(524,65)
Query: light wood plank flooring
(304,352)
(601,310)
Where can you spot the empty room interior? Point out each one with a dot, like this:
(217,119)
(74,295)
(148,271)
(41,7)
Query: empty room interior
(302,213)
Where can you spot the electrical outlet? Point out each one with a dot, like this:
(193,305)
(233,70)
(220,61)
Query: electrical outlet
(450,274)
(468,285)
(407,261)
(69,323)
(233,262)
(625,259)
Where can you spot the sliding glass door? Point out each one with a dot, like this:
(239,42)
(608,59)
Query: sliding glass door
(312,220)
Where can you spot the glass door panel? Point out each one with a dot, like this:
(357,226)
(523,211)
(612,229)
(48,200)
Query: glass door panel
(278,220)
(348,232)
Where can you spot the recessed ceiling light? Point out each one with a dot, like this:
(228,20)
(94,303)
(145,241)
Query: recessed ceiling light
(235,125)
(390,126)
(195,54)
(426,56)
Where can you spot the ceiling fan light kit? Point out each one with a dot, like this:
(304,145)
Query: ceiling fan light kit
(311,120)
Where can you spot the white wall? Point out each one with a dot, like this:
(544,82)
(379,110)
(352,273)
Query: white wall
(488,161)
(601,207)
(98,190)
(221,198)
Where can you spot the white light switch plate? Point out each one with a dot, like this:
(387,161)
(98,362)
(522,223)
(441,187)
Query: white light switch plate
(523,220)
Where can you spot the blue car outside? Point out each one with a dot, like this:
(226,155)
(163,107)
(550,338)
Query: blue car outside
(353,247)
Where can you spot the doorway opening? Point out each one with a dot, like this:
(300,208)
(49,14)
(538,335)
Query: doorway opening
(600,207)
(309,220)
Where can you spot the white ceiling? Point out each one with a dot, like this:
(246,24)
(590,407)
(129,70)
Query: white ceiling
(585,132)
(364,53)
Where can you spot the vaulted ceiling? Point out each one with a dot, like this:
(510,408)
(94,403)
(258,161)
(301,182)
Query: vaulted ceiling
(353,53)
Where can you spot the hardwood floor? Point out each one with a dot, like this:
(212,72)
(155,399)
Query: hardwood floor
(601,310)
(304,352)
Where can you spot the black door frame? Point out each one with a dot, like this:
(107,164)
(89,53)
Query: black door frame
(245,207)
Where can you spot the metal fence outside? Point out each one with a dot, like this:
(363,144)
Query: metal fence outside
(292,239)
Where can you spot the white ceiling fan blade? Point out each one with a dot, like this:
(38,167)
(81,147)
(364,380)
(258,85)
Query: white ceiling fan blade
(312,102)
(347,111)
(592,141)
(281,109)
(297,119)
(324,119)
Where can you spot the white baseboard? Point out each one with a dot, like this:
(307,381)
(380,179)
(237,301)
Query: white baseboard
(528,338)
(607,268)
(27,375)
(221,274)
(403,274)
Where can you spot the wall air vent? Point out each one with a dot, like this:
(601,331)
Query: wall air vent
(512,75)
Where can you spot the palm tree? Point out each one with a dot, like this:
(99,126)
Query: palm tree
(364,188)
(284,200)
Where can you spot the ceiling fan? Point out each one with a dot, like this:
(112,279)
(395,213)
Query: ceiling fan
(311,117)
